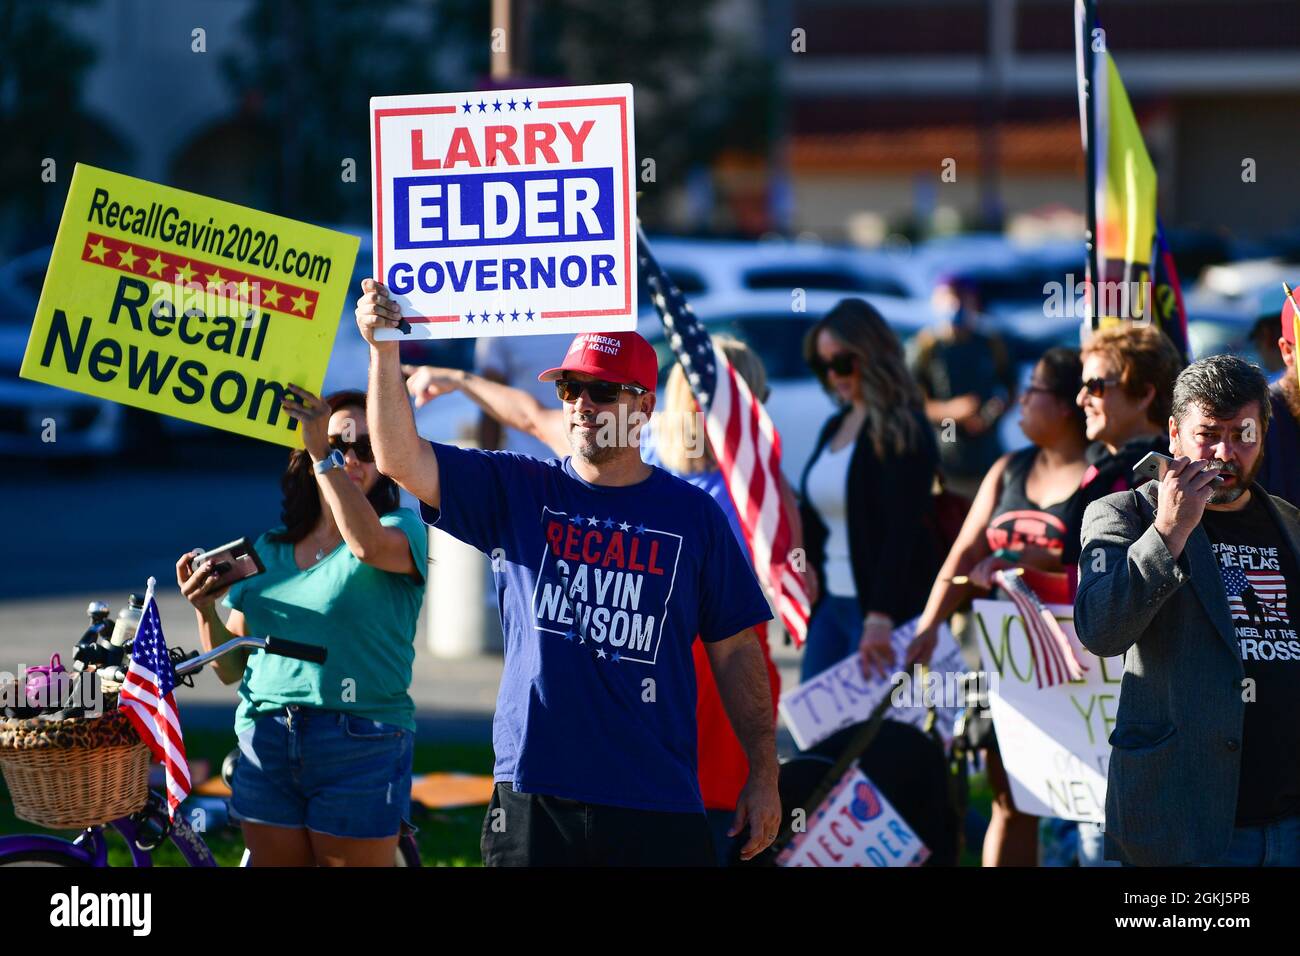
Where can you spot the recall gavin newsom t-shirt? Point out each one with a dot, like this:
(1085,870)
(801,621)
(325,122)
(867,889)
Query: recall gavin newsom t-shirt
(602,590)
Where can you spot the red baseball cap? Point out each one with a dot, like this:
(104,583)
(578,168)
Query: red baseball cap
(1288,319)
(622,357)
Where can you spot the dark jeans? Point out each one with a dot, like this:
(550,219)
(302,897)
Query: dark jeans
(534,829)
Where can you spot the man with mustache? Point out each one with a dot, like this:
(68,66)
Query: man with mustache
(1189,577)
(606,569)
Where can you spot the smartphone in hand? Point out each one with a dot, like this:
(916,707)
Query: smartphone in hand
(1154,465)
(232,562)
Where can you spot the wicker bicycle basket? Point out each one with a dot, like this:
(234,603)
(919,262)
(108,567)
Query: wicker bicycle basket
(74,773)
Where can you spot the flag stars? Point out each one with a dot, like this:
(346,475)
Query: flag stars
(640,529)
(608,522)
(467,107)
(469,318)
(126,258)
(614,657)
(300,303)
(570,634)
(184,273)
(593,521)
(272,297)
(528,104)
(514,316)
(576,519)
(482,106)
(529,315)
(496,107)
(624,526)
(97,250)
(512,104)
(600,652)
(501,316)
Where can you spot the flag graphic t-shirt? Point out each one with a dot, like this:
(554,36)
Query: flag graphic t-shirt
(1260,579)
(602,590)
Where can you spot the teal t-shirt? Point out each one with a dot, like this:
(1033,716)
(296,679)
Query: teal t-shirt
(363,616)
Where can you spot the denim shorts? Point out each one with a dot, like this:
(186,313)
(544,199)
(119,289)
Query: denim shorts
(326,771)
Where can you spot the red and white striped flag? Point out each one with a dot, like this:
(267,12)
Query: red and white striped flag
(1057,662)
(744,442)
(149,704)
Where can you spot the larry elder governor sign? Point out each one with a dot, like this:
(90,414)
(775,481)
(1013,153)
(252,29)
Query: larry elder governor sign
(506,213)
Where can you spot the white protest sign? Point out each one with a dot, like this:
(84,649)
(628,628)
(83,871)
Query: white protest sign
(1053,737)
(855,826)
(510,212)
(840,696)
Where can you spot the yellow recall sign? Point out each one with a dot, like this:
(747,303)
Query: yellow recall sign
(185,305)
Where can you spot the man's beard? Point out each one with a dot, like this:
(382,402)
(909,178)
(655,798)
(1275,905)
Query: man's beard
(1240,486)
(601,444)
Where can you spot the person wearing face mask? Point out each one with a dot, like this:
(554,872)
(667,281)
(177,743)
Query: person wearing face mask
(607,570)
(968,382)
(1192,584)
(324,772)
(868,509)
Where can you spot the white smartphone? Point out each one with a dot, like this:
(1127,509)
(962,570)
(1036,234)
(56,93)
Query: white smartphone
(1154,465)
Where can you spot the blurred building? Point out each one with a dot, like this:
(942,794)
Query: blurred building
(888,90)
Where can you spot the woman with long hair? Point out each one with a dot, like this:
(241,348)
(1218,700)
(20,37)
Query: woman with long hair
(1026,508)
(325,750)
(868,505)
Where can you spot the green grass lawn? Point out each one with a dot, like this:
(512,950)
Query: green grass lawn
(445,837)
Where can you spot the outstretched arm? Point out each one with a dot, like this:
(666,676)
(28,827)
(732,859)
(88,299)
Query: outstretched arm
(510,406)
(400,452)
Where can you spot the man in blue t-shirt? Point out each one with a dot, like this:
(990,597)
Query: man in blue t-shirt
(606,569)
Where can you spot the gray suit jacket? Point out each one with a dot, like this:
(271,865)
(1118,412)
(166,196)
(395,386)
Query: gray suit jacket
(1171,794)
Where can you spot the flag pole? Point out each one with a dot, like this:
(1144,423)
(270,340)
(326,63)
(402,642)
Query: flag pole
(1090,165)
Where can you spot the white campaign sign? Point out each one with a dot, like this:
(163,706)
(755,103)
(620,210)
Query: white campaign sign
(840,696)
(855,826)
(1053,739)
(506,213)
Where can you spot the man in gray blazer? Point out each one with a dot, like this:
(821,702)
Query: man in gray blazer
(1188,577)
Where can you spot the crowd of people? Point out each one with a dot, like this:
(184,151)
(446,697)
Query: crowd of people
(635,722)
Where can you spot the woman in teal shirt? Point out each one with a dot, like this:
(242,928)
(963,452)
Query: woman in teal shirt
(324,775)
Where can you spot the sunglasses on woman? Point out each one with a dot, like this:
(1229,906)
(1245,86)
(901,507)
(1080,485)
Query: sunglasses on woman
(361,446)
(602,393)
(841,364)
(1096,387)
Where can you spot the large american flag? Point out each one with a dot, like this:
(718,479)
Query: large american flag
(744,442)
(147,700)
(1056,660)
(1270,593)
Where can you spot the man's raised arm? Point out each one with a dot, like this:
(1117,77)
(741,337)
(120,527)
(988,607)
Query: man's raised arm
(400,453)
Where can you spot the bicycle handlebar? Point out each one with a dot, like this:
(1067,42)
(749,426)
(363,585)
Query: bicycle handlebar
(270,644)
(312,653)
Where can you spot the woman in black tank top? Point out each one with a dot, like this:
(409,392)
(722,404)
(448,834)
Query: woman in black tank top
(1020,517)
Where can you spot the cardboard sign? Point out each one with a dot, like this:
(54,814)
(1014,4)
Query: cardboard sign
(185,305)
(506,213)
(1053,738)
(855,826)
(840,696)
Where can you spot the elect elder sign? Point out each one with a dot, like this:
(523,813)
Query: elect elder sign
(506,213)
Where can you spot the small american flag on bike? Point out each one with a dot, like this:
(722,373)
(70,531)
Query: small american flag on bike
(149,704)
(744,442)
(1057,662)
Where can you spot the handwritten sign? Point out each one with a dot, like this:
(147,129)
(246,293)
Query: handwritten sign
(185,305)
(855,826)
(841,696)
(1053,738)
(506,213)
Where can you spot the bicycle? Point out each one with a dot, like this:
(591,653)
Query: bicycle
(148,828)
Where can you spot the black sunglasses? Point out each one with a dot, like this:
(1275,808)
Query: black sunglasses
(361,446)
(841,364)
(1096,387)
(602,393)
